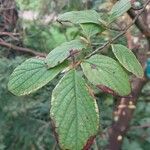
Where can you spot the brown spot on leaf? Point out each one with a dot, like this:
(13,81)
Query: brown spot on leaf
(106,89)
(58,62)
(89,143)
(73,52)
(93,66)
(54,130)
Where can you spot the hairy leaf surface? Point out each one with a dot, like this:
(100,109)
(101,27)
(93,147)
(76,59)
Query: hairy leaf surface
(105,71)
(62,52)
(127,59)
(74,112)
(90,29)
(78,17)
(119,9)
(32,75)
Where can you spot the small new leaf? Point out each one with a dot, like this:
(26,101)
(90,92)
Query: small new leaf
(74,112)
(62,52)
(105,71)
(78,17)
(127,59)
(32,75)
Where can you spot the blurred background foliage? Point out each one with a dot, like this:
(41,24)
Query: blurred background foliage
(24,121)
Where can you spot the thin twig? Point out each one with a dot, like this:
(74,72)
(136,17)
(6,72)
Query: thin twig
(12,35)
(123,115)
(115,29)
(21,49)
(122,33)
(9,33)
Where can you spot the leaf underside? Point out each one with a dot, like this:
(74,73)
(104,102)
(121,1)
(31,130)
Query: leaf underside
(105,71)
(32,75)
(74,112)
(128,60)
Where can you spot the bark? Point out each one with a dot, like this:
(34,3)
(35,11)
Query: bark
(124,110)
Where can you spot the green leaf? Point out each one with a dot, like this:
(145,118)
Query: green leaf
(32,75)
(119,9)
(127,59)
(78,17)
(74,112)
(62,52)
(90,29)
(105,71)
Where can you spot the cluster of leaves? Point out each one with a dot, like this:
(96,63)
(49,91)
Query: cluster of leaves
(24,121)
(74,110)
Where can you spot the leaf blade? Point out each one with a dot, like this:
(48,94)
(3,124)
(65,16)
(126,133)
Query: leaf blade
(127,59)
(90,29)
(62,52)
(103,70)
(31,75)
(74,112)
(119,9)
(78,17)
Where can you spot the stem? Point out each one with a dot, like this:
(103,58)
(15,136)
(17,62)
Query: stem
(122,33)
(124,114)
(21,49)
